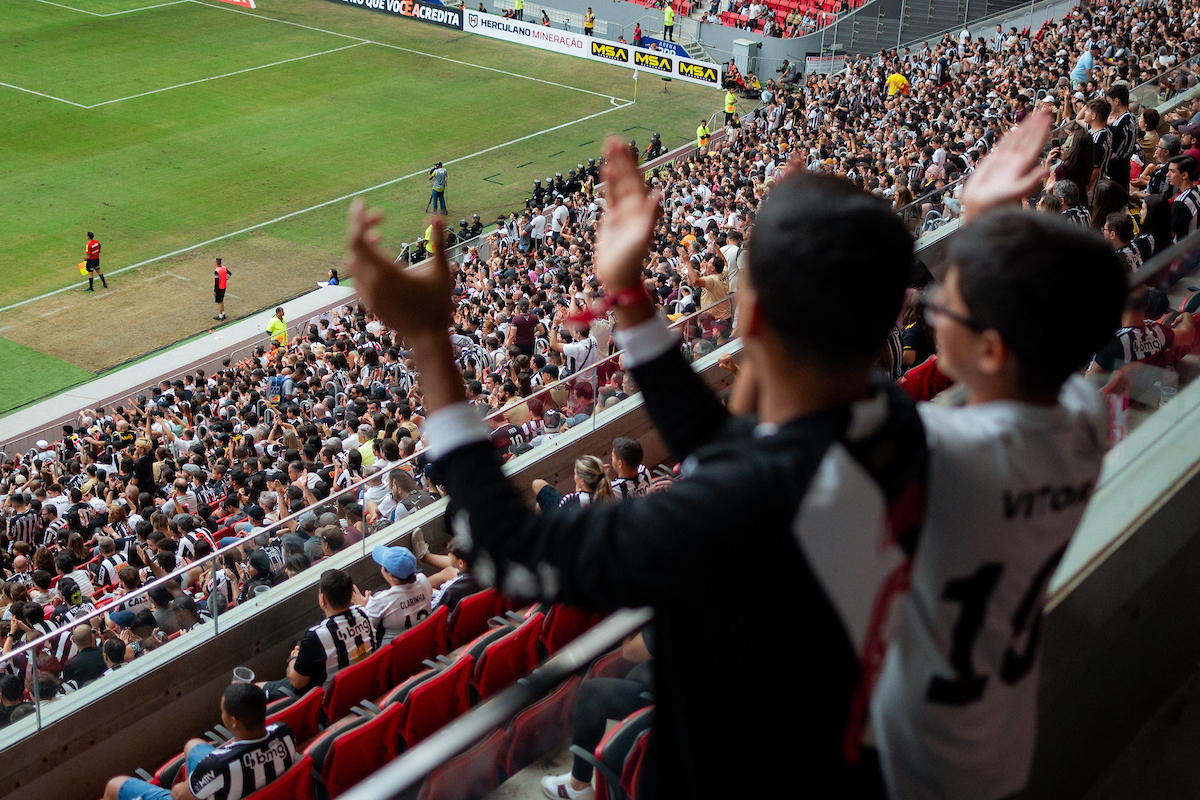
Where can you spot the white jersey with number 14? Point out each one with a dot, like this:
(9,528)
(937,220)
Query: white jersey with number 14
(955,708)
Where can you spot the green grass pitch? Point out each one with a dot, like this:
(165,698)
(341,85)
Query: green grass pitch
(164,126)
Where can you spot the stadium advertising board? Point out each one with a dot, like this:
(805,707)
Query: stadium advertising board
(824,65)
(670,48)
(415,9)
(573,44)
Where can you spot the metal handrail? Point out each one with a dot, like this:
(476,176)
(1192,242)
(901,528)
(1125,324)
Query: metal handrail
(570,379)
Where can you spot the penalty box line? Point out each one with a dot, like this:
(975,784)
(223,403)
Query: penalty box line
(358,41)
(112,13)
(325,204)
(410,50)
(186,83)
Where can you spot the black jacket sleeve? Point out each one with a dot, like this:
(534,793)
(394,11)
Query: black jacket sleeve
(685,411)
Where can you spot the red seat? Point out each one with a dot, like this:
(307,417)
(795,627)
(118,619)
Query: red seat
(509,658)
(471,616)
(620,754)
(564,624)
(542,728)
(426,640)
(613,665)
(432,699)
(355,747)
(473,774)
(350,686)
(295,784)
(170,773)
(302,714)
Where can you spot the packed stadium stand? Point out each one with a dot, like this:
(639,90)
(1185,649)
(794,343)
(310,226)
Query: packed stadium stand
(155,544)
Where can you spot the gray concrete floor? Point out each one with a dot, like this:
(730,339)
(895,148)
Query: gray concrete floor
(527,784)
(1161,762)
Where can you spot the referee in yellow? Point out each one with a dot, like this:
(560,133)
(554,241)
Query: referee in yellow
(277,328)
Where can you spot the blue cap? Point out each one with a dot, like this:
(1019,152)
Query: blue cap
(123,619)
(397,560)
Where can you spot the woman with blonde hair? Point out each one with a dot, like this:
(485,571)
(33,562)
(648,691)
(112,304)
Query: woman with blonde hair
(591,486)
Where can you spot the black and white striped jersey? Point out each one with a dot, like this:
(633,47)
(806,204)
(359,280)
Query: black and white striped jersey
(636,486)
(50,533)
(108,569)
(335,643)
(1185,212)
(241,767)
(24,526)
(1124,137)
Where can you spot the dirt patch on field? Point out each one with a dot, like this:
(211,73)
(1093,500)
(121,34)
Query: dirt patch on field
(160,304)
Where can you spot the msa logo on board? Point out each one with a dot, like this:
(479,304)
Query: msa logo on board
(611,52)
(652,61)
(698,71)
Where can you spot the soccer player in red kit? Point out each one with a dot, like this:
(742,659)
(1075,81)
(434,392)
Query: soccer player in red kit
(92,257)
(221,275)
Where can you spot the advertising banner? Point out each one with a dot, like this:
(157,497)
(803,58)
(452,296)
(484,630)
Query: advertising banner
(415,9)
(824,65)
(670,48)
(242,3)
(580,46)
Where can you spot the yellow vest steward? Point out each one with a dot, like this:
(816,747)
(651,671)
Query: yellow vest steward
(668,16)
(730,103)
(702,136)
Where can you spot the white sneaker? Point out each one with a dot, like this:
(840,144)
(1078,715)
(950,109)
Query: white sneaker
(417,544)
(559,788)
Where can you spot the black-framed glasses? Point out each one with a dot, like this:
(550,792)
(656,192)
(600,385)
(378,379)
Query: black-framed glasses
(932,310)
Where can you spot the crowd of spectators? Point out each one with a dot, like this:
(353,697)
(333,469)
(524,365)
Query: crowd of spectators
(135,491)
(907,124)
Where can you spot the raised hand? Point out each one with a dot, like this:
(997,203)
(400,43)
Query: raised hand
(623,239)
(414,301)
(1012,171)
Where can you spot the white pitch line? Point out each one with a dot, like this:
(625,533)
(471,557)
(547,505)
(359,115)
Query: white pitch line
(43,94)
(226,75)
(143,8)
(409,50)
(358,39)
(55,311)
(341,199)
(173,275)
(113,13)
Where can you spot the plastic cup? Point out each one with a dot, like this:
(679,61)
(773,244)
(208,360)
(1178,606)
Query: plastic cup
(259,591)
(243,675)
(1167,394)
